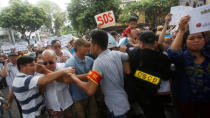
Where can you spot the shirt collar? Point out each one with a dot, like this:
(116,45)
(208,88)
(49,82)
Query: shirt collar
(78,59)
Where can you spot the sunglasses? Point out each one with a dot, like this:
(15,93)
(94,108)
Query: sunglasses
(49,62)
(55,47)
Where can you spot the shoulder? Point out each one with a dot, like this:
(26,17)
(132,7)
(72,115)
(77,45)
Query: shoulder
(71,61)
(60,66)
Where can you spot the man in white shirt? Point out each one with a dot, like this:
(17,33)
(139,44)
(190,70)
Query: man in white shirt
(57,95)
(62,54)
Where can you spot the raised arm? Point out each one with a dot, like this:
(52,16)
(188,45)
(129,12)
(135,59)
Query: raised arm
(162,35)
(5,69)
(183,27)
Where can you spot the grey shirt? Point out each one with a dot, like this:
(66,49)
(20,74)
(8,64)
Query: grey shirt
(109,65)
(11,74)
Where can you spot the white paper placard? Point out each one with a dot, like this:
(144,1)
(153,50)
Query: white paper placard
(7,48)
(200,19)
(105,19)
(178,12)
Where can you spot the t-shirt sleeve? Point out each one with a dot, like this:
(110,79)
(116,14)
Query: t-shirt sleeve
(95,75)
(123,56)
(126,32)
(69,63)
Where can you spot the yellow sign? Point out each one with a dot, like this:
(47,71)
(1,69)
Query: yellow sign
(147,77)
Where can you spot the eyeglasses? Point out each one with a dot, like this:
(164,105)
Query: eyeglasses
(55,47)
(49,62)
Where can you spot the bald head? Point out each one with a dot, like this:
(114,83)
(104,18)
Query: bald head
(49,53)
(49,58)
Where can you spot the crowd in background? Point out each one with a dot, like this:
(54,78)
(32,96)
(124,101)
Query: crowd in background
(140,73)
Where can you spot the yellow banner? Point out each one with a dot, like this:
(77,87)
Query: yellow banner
(147,77)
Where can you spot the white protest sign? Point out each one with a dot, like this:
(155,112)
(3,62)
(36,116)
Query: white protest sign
(21,46)
(65,39)
(105,19)
(178,12)
(7,48)
(200,19)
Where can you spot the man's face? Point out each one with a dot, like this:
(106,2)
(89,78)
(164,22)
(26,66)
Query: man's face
(84,50)
(49,62)
(56,46)
(13,59)
(29,69)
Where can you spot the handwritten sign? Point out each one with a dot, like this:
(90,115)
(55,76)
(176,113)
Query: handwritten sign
(178,12)
(105,19)
(7,48)
(200,19)
(21,46)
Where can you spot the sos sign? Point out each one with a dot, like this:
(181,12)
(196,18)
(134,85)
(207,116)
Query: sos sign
(105,19)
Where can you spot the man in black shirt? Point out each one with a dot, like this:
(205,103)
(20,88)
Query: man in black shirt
(148,67)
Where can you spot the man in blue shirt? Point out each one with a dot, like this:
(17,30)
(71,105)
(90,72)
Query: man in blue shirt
(82,64)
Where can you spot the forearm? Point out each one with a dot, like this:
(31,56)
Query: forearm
(48,78)
(177,43)
(11,96)
(82,76)
(4,71)
(162,35)
(89,87)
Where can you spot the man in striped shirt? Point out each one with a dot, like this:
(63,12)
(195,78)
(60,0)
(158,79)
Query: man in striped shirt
(27,87)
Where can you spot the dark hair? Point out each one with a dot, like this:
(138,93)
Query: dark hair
(24,60)
(38,52)
(80,42)
(132,19)
(100,38)
(54,41)
(114,33)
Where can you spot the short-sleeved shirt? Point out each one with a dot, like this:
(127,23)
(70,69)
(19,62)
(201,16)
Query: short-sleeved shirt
(81,68)
(28,95)
(57,94)
(11,73)
(109,65)
(126,32)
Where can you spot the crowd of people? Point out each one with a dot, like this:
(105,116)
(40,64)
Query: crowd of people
(134,75)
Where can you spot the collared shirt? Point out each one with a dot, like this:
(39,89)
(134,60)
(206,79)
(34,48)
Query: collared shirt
(57,94)
(11,73)
(109,65)
(28,95)
(191,81)
(81,68)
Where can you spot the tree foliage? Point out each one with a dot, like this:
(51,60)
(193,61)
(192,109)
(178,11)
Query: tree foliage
(23,17)
(53,11)
(82,12)
(155,10)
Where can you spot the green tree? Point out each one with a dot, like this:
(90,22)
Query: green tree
(53,11)
(82,12)
(59,23)
(22,17)
(155,10)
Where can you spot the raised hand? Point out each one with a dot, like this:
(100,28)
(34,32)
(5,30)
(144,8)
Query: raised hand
(183,24)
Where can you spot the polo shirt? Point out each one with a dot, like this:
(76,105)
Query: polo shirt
(28,95)
(81,68)
(57,94)
(11,73)
(109,65)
